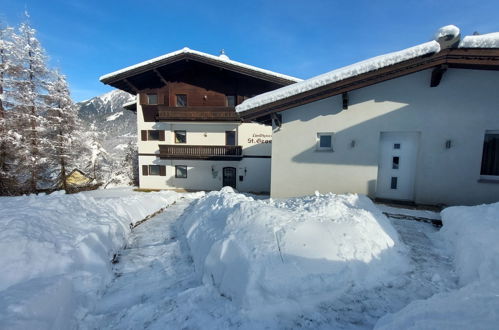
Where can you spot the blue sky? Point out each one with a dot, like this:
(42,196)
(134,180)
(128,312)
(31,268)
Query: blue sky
(87,39)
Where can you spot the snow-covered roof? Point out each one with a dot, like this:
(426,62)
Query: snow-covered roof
(224,59)
(490,40)
(132,102)
(349,71)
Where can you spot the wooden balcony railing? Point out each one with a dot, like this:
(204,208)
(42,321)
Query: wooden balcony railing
(166,113)
(178,151)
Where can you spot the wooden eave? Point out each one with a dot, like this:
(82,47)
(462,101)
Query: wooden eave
(465,58)
(120,78)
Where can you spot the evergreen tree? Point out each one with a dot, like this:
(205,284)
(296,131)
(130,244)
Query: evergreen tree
(8,70)
(28,99)
(64,129)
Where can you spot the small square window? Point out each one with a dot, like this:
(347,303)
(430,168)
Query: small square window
(396,146)
(325,141)
(154,170)
(152,98)
(181,171)
(231,100)
(180,137)
(153,135)
(181,100)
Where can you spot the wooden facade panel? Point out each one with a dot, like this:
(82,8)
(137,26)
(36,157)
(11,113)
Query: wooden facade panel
(143,135)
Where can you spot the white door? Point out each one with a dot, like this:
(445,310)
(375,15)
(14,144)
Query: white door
(397,165)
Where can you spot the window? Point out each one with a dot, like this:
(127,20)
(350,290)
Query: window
(393,183)
(153,135)
(180,137)
(325,141)
(231,100)
(181,100)
(181,171)
(395,162)
(230,138)
(396,146)
(490,155)
(152,98)
(154,170)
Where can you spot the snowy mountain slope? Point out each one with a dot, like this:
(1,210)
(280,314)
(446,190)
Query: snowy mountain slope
(115,127)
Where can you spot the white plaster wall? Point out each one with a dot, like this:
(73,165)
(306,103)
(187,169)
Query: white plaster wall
(460,109)
(207,175)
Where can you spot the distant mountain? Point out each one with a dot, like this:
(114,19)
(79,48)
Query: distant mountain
(117,126)
(108,103)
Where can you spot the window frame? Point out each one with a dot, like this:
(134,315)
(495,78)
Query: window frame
(154,166)
(494,177)
(153,131)
(177,103)
(318,141)
(227,100)
(175,136)
(176,171)
(148,99)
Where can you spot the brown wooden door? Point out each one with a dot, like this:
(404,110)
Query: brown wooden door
(229,177)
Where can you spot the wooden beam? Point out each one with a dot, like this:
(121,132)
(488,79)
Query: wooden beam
(437,74)
(344,97)
(160,76)
(131,86)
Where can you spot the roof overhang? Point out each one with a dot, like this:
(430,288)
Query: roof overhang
(466,58)
(120,79)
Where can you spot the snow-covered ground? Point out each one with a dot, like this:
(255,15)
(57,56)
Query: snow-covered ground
(56,251)
(225,260)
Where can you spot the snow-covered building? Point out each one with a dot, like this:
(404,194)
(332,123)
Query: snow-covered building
(419,125)
(190,136)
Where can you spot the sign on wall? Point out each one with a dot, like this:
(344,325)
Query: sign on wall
(260,138)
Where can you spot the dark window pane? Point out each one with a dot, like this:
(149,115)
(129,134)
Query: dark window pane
(395,163)
(231,100)
(325,141)
(180,137)
(153,135)
(396,146)
(181,100)
(490,155)
(230,138)
(181,171)
(153,169)
(152,98)
(393,184)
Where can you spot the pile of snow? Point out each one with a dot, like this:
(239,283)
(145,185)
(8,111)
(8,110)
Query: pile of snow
(472,235)
(56,251)
(448,30)
(490,40)
(349,71)
(270,256)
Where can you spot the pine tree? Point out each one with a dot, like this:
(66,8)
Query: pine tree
(64,129)
(8,70)
(28,97)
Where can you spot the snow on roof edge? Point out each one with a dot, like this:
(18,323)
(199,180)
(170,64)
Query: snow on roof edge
(349,71)
(187,50)
(132,102)
(489,40)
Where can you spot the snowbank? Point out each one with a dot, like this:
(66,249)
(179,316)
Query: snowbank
(489,40)
(270,256)
(56,251)
(472,234)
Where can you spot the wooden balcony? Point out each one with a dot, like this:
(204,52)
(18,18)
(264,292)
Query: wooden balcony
(179,151)
(166,113)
